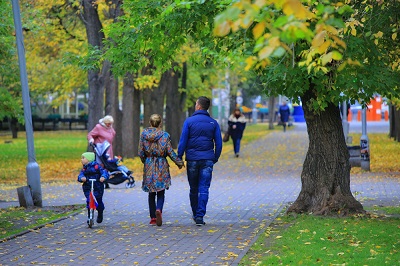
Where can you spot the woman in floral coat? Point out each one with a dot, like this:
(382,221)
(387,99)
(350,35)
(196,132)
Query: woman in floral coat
(154,147)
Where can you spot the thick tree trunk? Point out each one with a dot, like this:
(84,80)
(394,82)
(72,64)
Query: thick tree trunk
(127,117)
(395,123)
(112,108)
(137,99)
(326,171)
(153,99)
(95,38)
(13,122)
(271,112)
(173,110)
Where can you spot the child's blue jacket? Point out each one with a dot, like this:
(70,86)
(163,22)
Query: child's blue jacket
(93,171)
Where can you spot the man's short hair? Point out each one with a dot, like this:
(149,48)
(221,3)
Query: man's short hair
(204,102)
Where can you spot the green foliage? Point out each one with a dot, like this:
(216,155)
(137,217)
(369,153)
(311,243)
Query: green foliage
(320,47)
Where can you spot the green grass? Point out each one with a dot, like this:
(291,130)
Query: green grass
(15,220)
(372,239)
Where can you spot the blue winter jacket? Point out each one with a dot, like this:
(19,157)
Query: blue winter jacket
(93,171)
(201,138)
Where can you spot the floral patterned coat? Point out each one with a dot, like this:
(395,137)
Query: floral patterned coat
(154,147)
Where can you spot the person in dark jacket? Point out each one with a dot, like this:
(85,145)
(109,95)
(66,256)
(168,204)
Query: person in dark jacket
(92,170)
(284,113)
(154,148)
(201,142)
(237,124)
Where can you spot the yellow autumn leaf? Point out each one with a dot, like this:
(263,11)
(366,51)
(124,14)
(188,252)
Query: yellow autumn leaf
(277,237)
(258,30)
(336,55)
(394,36)
(274,42)
(249,62)
(212,231)
(326,58)
(260,3)
(324,47)
(265,52)
(379,34)
(353,31)
(307,243)
(222,29)
(318,39)
(294,7)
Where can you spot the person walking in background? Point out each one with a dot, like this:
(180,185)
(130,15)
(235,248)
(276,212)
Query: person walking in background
(284,113)
(154,147)
(92,170)
(201,142)
(237,124)
(103,131)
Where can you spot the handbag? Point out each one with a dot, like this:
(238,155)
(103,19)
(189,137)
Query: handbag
(226,137)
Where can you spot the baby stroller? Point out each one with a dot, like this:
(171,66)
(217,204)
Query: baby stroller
(118,173)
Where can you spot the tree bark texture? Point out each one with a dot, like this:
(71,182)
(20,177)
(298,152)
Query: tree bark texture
(137,100)
(326,170)
(112,108)
(271,112)
(153,99)
(127,117)
(95,38)
(173,109)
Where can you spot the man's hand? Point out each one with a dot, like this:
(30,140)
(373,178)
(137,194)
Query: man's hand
(102,179)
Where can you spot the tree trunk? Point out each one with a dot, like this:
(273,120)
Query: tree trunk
(173,108)
(326,171)
(271,112)
(153,99)
(127,118)
(13,122)
(396,118)
(137,99)
(95,38)
(112,108)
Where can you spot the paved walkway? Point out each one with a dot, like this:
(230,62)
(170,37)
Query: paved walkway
(246,195)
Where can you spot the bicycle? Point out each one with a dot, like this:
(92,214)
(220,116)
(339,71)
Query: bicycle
(92,204)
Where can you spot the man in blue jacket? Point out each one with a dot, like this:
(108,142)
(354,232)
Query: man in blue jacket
(202,142)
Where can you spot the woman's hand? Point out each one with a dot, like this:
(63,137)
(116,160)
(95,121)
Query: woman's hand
(102,179)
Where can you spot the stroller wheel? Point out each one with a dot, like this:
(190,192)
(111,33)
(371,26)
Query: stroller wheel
(130,184)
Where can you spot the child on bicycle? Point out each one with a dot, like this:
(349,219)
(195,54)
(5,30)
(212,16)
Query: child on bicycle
(92,170)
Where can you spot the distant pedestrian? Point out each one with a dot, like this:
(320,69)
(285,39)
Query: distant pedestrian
(103,131)
(154,147)
(237,124)
(284,113)
(201,141)
(92,170)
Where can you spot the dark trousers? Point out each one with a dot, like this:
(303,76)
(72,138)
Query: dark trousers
(199,175)
(156,204)
(99,198)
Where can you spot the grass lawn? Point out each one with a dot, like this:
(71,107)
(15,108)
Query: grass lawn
(372,239)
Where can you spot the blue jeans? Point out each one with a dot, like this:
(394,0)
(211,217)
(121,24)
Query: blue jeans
(236,145)
(199,176)
(153,206)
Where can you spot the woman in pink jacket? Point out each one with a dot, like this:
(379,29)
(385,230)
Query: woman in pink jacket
(103,131)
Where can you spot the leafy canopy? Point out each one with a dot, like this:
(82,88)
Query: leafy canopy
(341,49)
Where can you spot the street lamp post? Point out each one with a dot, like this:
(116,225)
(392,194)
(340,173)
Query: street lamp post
(32,169)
